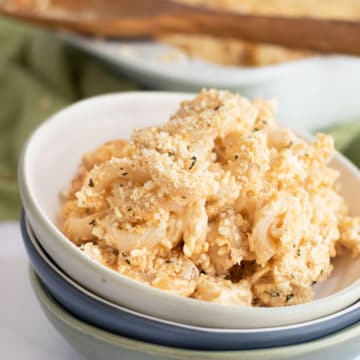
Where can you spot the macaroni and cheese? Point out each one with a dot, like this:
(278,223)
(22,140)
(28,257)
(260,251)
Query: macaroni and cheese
(220,204)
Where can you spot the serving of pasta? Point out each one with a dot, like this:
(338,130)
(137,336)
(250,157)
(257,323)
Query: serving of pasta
(219,204)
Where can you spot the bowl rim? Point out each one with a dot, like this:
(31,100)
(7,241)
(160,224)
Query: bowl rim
(62,315)
(33,208)
(40,251)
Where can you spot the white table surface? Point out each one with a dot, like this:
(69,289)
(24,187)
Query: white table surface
(25,333)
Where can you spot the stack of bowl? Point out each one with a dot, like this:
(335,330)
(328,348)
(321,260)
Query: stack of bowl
(104,314)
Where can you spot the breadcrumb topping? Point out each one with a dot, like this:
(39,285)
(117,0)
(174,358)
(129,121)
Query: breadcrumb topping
(220,204)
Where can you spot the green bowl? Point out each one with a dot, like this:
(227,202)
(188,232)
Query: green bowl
(95,343)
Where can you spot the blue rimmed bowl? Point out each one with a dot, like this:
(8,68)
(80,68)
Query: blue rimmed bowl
(95,343)
(101,313)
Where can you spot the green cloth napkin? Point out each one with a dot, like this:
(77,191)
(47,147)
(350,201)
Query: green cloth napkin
(40,75)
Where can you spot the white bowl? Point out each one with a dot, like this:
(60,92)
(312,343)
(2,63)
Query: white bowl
(325,88)
(51,158)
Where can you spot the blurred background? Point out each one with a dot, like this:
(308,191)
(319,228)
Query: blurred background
(43,71)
